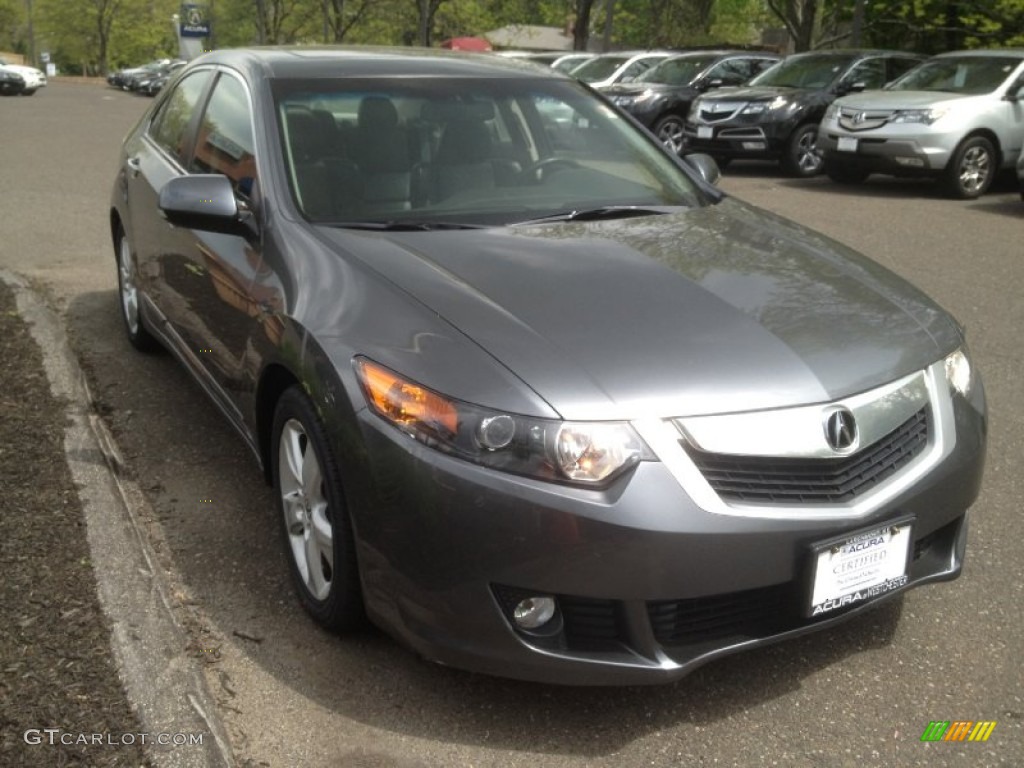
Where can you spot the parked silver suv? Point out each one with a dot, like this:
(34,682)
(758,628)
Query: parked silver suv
(958,117)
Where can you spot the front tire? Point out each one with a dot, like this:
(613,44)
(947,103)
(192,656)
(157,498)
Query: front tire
(129,295)
(801,158)
(971,170)
(311,506)
(669,130)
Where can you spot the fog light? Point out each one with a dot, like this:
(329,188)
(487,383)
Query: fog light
(534,612)
(914,162)
(753,144)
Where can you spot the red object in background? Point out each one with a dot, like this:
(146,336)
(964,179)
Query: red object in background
(467,44)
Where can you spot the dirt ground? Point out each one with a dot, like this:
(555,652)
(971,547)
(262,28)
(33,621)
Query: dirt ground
(56,665)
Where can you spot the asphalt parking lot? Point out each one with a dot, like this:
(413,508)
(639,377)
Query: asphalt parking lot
(290,694)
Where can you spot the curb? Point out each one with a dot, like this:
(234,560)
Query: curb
(164,684)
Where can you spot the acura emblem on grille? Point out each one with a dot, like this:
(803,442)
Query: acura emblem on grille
(858,117)
(840,430)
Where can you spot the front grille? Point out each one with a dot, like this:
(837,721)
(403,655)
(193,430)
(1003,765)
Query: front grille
(718,111)
(752,613)
(808,481)
(862,120)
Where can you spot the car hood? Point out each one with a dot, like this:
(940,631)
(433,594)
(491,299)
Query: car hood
(905,99)
(22,70)
(758,93)
(635,89)
(717,309)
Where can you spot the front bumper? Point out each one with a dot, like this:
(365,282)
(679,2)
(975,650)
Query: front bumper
(742,136)
(649,583)
(900,151)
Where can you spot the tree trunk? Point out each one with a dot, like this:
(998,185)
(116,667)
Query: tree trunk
(581,28)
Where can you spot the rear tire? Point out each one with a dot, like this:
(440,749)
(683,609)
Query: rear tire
(845,172)
(801,158)
(972,168)
(319,542)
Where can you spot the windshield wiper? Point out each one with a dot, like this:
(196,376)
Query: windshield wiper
(606,212)
(399,225)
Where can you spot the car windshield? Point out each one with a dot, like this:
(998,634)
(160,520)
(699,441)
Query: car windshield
(677,71)
(567,64)
(804,71)
(599,68)
(958,74)
(422,152)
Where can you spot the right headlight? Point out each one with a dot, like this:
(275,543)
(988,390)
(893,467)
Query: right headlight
(958,371)
(581,453)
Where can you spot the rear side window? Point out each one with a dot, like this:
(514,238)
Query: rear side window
(169,128)
(899,66)
(869,73)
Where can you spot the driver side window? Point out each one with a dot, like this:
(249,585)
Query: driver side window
(224,143)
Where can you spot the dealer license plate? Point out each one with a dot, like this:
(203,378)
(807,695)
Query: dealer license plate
(846,144)
(705,131)
(859,567)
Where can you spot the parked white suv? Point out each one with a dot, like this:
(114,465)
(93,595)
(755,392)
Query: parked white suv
(34,78)
(958,116)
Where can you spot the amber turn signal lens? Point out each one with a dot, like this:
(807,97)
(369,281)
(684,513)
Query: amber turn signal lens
(404,403)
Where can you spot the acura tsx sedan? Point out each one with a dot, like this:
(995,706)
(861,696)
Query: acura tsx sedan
(534,396)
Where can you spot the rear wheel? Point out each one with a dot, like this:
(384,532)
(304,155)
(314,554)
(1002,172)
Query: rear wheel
(970,172)
(128,292)
(318,534)
(669,130)
(801,157)
(845,172)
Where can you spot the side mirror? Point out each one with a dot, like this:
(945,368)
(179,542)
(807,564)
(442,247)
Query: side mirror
(202,201)
(705,165)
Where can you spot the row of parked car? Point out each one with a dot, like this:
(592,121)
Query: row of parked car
(18,80)
(957,117)
(148,79)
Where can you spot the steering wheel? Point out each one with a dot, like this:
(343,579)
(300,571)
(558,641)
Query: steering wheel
(536,172)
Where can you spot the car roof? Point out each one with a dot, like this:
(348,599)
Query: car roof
(859,52)
(1017,53)
(356,61)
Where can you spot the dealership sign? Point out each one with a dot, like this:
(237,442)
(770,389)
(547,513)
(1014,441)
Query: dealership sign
(195,20)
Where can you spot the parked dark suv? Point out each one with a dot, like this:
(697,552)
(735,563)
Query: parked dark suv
(776,116)
(660,98)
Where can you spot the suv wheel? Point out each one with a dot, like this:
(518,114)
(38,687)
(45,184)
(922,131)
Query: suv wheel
(845,172)
(669,130)
(801,157)
(970,172)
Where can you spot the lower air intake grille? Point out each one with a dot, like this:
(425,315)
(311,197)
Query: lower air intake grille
(749,614)
(808,481)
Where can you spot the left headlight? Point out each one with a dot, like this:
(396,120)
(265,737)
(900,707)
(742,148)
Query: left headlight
(958,371)
(582,453)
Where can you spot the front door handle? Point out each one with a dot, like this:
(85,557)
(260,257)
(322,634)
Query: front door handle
(135,164)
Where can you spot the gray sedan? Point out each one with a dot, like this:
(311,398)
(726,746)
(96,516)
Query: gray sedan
(535,397)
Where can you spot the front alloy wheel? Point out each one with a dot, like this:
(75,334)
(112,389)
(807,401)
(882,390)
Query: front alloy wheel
(669,130)
(318,536)
(972,168)
(801,157)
